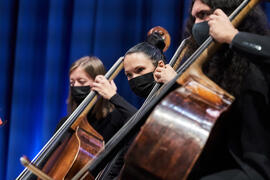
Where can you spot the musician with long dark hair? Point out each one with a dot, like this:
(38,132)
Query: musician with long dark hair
(241,148)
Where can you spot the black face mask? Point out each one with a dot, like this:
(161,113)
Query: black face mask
(200,32)
(142,85)
(79,93)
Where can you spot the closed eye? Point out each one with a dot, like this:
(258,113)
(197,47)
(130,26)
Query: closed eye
(82,81)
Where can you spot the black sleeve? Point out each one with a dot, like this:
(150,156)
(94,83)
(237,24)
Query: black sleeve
(253,44)
(125,108)
(109,125)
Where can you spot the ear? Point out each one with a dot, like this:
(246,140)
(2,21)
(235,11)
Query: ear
(161,63)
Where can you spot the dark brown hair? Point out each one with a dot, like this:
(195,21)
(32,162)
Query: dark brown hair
(152,48)
(93,67)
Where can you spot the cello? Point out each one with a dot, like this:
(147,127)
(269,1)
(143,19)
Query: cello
(196,92)
(76,149)
(80,147)
(181,126)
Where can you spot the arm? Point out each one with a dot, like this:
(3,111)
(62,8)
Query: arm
(252,43)
(221,29)
(109,125)
(124,107)
(107,89)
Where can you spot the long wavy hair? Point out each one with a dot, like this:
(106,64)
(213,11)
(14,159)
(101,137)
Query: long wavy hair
(227,67)
(93,67)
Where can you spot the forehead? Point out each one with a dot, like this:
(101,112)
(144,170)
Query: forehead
(134,60)
(79,73)
(199,6)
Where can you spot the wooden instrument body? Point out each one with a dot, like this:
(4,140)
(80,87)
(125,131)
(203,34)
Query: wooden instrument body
(74,152)
(175,133)
(83,145)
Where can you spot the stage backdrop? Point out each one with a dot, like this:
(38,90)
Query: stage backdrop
(38,42)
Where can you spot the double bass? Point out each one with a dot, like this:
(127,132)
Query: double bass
(66,153)
(64,160)
(168,146)
(183,124)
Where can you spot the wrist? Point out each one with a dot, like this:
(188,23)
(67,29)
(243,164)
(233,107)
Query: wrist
(232,35)
(111,95)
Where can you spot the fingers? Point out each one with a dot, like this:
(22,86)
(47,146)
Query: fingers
(159,69)
(113,85)
(96,87)
(216,13)
(164,74)
(157,75)
(160,64)
(105,88)
(99,83)
(100,79)
(219,12)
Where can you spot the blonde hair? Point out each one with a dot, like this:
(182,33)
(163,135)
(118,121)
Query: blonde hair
(92,66)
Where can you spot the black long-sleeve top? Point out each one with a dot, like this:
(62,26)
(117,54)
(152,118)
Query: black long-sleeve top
(243,139)
(109,125)
(252,44)
(257,47)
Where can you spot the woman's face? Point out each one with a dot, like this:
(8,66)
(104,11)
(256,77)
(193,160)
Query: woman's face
(137,64)
(79,77)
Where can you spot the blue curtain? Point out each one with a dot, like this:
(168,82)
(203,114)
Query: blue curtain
(38,42)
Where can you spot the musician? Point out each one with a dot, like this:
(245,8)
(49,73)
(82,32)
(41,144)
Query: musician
(240,148)
(111,111)
(144,65)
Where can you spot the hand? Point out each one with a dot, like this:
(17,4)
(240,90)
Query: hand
(220,27)
(107,89)
(164,74)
